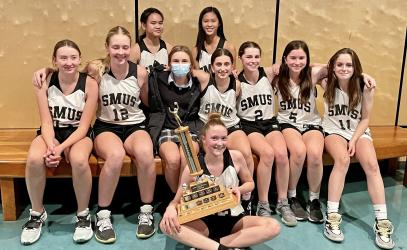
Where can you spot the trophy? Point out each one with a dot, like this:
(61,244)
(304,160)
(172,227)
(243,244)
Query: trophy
(203,196)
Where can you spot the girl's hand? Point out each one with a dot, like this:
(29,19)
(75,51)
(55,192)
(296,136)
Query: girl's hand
(170,222)
(236,192)
(351,148)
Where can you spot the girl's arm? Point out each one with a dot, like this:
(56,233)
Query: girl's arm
(135,53)
(203,77)
(40,76)
(229,46)
(142,80)
(170,222)
(318,72)
(47,126)
(242,171)
(86,117)
(367,105)
(194,55)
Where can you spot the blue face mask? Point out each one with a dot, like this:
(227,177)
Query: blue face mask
(180,69)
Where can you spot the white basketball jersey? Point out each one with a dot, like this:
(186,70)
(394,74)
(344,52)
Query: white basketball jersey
(147,58)
(256,102)
(205,59)
(119,100)
(66,110)
(297,113)
(223,103)
(338,119)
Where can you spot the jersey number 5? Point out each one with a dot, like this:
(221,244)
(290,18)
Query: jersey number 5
(293,117)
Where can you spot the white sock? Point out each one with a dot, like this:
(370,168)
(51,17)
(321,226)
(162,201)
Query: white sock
(313,196)
(332,207)
(292,193)
(83,213)
(380,211)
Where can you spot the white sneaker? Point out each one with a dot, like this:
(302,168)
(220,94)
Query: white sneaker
(332,229)
(383,230)
(83,228)
(32,228)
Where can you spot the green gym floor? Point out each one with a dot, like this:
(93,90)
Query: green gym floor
(356,208)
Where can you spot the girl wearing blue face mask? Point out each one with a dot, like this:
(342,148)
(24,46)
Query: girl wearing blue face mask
(179,85)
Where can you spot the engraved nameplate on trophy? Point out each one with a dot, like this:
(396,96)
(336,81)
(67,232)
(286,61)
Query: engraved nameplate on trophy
(203,196)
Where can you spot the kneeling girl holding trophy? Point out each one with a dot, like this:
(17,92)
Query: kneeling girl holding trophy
(221,230)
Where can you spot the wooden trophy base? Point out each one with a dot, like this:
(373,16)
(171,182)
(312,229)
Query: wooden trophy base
(202,198)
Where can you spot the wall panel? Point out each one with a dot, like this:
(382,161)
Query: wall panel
(373,28)
(30,30)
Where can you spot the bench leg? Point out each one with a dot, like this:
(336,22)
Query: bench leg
(392,165)
(8,199)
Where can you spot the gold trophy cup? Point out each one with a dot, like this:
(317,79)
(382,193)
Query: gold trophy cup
(203,196)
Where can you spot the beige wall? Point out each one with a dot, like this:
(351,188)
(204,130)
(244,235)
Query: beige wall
(29,31)
(374,28)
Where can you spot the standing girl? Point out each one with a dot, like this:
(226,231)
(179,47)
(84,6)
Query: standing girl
(151,50)
(230,228)
(301,125)
(119,129)
(348,105)
(210,37)
(67,102)
(220,96)
(256,110)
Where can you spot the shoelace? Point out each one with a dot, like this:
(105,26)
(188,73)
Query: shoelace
(145,218)
(82,221)
(104,224)
(33,223)
(334,224)
(285,209)
(385,229)
(295,203)
(264,208)
(315,205)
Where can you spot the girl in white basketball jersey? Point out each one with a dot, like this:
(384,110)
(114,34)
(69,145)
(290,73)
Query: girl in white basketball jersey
(220,96)
(348,105)
(230,228)
(67,102)
(151,50)
(120,129)
(210,37)
(301,125)
(259,122)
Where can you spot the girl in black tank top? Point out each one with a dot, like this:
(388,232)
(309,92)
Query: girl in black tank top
(217,161)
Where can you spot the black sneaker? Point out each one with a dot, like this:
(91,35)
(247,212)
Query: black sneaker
(83,228)
(296,207)
(314,211)
(145,227)
(104,232)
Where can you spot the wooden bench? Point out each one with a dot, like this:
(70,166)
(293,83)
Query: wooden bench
(390,143)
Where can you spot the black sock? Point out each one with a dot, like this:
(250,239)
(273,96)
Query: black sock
(222,247)
(103,208)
